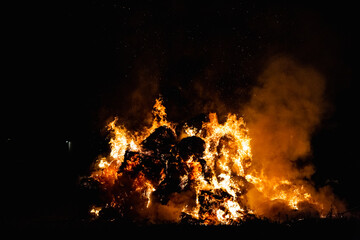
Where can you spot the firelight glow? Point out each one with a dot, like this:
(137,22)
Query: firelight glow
(215,186)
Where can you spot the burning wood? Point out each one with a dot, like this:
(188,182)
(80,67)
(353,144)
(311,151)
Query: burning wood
(199,174)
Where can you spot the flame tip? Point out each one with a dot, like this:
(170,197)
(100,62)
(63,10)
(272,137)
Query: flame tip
(216,184)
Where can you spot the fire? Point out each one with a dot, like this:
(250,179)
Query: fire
(203,175)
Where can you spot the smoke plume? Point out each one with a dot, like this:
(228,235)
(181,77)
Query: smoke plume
(221,171)
(283,112)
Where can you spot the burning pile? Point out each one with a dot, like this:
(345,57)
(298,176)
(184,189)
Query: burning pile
(200,171)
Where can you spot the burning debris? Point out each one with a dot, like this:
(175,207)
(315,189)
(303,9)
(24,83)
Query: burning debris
(197,172)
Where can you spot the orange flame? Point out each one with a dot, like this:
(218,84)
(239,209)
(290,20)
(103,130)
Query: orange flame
(232,189)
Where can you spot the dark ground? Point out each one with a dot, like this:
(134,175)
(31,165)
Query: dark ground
(69,67)
(255,229)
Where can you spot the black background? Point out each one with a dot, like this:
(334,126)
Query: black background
(68,67)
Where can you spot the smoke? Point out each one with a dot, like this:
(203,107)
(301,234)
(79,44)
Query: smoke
(132,102)
(283,112)
(171,212)
(285,108)
(142,97)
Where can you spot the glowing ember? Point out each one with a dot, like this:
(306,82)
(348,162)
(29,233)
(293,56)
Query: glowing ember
(204,175)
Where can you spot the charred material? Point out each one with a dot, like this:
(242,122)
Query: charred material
(168,166)
(165,162)
(131,162)
(160,141)
(195,122)
(191,146)
(211,199)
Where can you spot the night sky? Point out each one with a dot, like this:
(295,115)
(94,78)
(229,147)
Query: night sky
(70,67)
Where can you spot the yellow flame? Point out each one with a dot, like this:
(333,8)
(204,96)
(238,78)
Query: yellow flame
(227,154)
(95,211)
